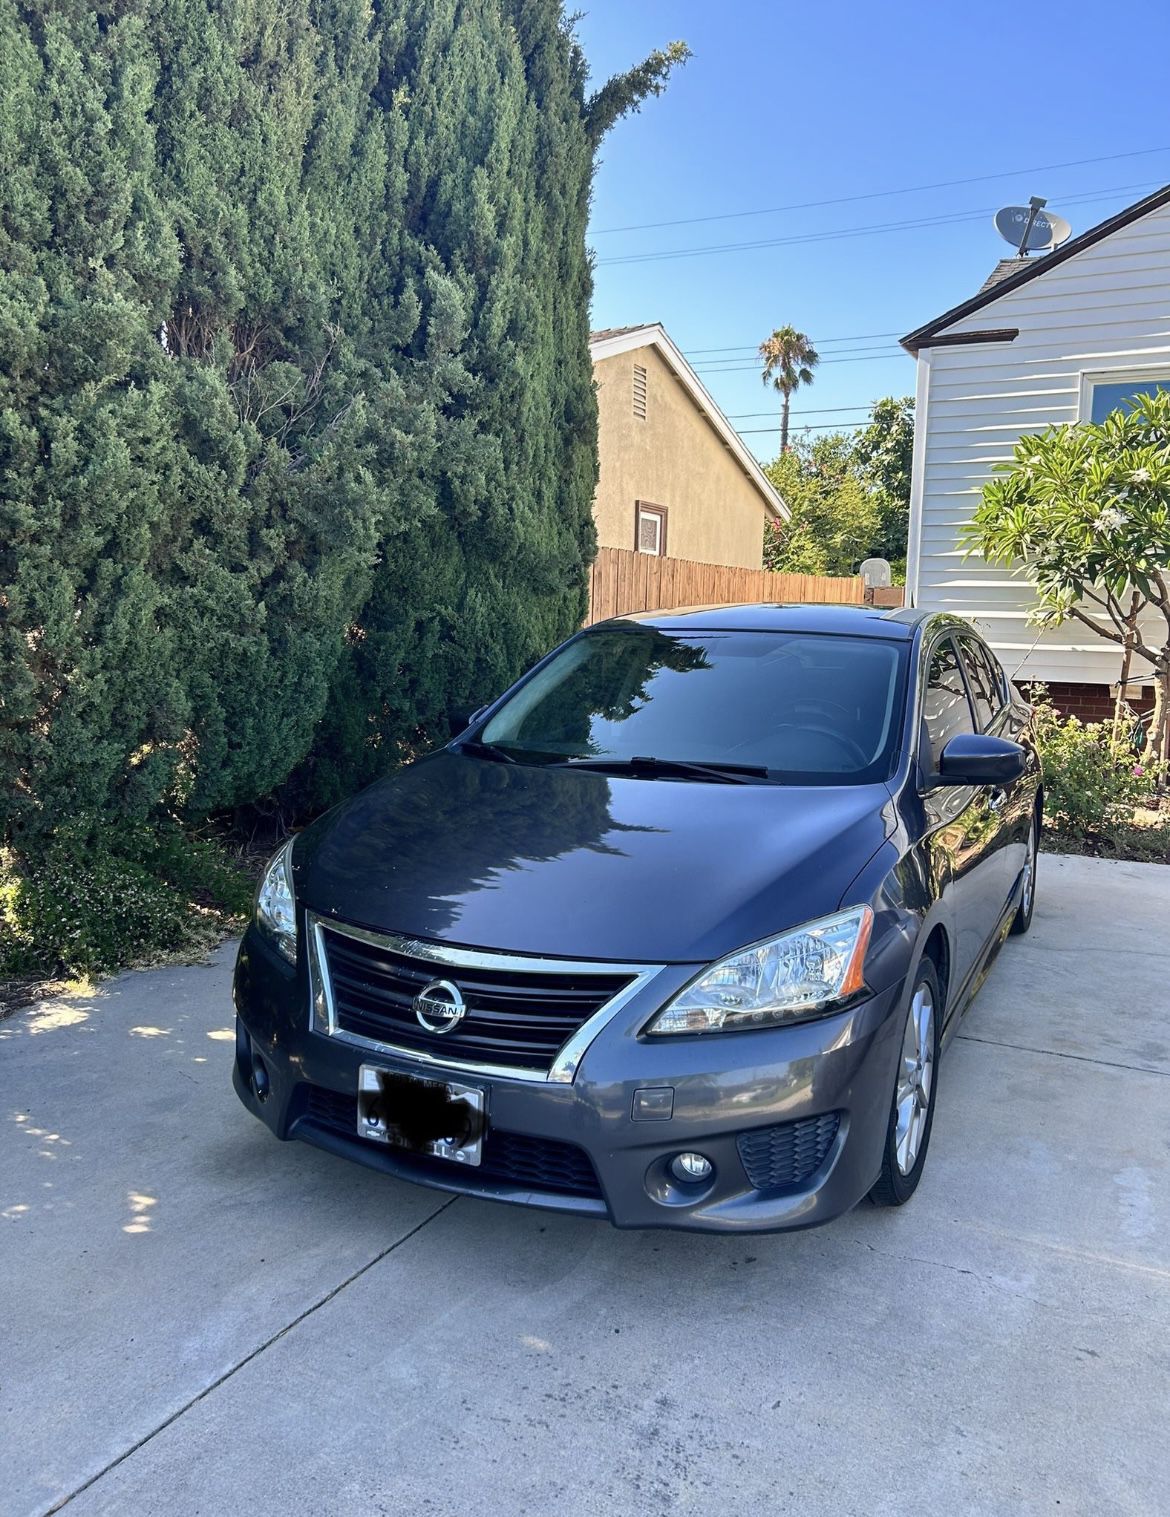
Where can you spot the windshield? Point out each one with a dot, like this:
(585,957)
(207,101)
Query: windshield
(809,708)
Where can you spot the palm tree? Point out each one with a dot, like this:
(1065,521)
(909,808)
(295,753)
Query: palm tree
(789,360)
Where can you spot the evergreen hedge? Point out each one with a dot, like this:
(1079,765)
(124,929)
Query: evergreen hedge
(297,427)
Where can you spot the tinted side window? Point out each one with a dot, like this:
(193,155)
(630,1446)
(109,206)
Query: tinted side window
(985,687)
(946,709)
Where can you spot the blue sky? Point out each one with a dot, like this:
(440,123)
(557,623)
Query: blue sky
(784,104)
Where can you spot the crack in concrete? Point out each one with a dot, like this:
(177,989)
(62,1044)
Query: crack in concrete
(1103,948)
(1056,1053)
(959,1269)
(261,1348)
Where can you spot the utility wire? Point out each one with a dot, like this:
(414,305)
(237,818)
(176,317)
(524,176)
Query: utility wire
(754,368)
(714,365)
(807,411)
(914,189)
(817,342)
(810,426)
(952,218)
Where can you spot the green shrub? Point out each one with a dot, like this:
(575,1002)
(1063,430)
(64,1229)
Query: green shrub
(86,906)
(1092,782)
(197,868)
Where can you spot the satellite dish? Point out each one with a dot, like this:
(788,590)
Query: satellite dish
(1031,230)
(875,572)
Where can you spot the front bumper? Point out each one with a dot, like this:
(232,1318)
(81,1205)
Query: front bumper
(766,1104)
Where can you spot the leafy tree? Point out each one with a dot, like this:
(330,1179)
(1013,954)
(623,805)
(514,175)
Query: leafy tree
(1083,512)
(849,495)
(789,360)
(883,454)
(834,517)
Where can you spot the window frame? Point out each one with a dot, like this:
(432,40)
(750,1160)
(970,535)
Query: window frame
(997,675)
(649,508)
(928,774)
(1134,374)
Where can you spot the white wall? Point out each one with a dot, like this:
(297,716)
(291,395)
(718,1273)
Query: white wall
(1107,308)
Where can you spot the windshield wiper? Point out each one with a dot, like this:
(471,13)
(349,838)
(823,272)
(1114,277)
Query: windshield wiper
(720,773)
(485,750)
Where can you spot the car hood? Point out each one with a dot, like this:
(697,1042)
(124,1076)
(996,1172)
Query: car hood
(579,864)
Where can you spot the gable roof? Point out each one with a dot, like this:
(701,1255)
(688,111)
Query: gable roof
(1003,281)
(611,341)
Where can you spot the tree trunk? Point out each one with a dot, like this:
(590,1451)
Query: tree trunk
(784,423)
(1119,705)
(1156,748)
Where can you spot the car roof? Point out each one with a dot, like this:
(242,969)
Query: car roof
(858,621)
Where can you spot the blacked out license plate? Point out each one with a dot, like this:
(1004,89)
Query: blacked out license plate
(438,1118)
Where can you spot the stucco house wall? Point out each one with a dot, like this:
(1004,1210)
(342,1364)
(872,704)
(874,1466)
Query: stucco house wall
(673,457)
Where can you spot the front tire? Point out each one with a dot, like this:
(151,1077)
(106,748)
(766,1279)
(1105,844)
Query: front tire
(912,1108)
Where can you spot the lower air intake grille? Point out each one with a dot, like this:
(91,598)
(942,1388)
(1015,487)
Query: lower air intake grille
(513,1158)
(779,1158)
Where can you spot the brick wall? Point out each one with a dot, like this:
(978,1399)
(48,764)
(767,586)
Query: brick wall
(1092,703)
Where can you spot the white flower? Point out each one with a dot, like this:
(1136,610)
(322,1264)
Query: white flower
(1110,519)
(1140,476)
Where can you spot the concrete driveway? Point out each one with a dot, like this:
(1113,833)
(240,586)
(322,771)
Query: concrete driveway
(197,1319)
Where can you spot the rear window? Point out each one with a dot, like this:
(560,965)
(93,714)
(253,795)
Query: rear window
(809,708)
(985,684)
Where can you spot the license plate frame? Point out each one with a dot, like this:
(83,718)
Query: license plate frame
(408,1112)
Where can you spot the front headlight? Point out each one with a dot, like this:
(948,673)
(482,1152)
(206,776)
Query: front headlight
(799,974)
(276,909)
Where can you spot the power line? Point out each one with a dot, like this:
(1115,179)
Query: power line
(753,368)
(713,365)
(952,218)
(809,426)
(914,189)
(752,347)
(807,411)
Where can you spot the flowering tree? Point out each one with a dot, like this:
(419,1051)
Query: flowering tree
(1084,513)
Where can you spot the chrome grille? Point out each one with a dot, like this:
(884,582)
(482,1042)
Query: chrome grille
(521,1015)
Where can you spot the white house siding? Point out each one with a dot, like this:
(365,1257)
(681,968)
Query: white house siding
(1106,308)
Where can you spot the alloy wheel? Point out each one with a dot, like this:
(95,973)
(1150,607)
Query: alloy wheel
(915,1079)
(1029,870)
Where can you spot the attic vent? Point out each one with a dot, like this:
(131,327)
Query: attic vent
(640,391)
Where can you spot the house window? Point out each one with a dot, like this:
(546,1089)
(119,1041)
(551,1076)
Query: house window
(1105,393)
(640,392)
(650,529)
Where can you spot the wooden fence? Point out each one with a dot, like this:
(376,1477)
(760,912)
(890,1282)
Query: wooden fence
(622,581)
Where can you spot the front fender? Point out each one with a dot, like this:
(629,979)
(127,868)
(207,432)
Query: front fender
(906,908)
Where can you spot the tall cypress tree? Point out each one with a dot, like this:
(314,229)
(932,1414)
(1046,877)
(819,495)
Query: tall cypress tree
(297,428)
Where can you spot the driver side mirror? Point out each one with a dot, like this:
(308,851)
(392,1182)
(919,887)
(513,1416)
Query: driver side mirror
(974,758)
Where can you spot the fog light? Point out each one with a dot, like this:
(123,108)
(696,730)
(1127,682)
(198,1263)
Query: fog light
(259,1078)
(690,1168)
